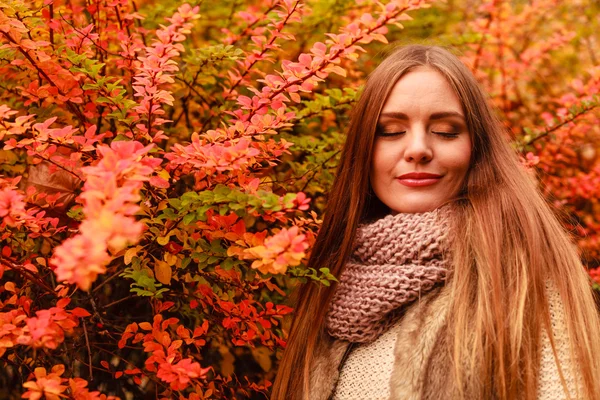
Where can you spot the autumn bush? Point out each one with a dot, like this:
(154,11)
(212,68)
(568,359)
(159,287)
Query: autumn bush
(164,168)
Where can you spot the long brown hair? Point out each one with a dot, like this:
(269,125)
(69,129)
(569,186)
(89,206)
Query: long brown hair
(514,251)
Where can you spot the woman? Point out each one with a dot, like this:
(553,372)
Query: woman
(455,278)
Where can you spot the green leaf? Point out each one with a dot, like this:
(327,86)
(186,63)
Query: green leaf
(185,262)
(227,264)
(175,203)
(188,219)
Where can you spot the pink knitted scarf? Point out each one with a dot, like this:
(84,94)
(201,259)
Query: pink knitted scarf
(396,259)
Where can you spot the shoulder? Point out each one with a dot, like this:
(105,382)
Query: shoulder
(324,371)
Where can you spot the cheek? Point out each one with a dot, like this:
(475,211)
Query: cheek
(459,160)
(383,162)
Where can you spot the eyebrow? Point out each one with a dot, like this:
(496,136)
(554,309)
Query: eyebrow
(434,116)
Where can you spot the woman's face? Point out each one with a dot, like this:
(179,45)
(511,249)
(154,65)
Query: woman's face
(422,146)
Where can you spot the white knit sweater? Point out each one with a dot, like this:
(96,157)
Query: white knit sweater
(367,371)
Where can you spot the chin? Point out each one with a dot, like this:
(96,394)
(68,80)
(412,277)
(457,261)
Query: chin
(414,207)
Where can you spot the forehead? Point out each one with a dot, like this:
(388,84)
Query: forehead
(422,90)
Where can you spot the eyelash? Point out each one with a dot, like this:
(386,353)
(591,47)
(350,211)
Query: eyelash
(388,134)
(447,135)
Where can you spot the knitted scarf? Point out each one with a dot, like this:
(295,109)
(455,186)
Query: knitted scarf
(395,260)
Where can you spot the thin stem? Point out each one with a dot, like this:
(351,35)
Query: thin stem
(547,131)
(59,166)
(119,301)
(29,276)
(87,343)
(104,282)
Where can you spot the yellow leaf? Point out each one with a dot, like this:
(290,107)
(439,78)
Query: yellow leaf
(162,240)
(170,259)
(181,235)
(379,37)
(162,205)
(162,272)
(336,69)
(46,247)
(130,253)
(262,355)
(164,174)
(227,360)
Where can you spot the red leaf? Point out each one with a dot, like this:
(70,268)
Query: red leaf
(165,306)
(62,303)
(265,324)
(6,251)
(159,182)
(173,247)
(133,371)
(80,312)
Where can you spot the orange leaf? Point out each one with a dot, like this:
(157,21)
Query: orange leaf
(163,272)
(146,326)
(31,267)
(80,312)
(62,303)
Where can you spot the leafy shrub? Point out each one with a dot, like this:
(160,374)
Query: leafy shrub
(164,170)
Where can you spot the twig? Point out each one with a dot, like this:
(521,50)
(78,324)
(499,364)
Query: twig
(59,166)
(119,301)
(28,275)
(249,27)
(104,282)
(96,313)
(87,343)
(314,170)
(556,127)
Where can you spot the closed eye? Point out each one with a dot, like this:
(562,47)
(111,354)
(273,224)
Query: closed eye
(448,135)
(390,134)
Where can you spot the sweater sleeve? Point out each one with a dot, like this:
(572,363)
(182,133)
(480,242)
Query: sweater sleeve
(550,386)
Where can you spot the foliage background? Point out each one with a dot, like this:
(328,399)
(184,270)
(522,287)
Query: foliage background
(164,169)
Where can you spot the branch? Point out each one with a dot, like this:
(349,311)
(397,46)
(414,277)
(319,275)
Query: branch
(30,276)
(87,343)
(548,131)
(70,104)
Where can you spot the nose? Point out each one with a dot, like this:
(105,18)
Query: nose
(417,148)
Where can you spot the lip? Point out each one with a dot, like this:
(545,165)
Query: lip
(417,179)
(419,175)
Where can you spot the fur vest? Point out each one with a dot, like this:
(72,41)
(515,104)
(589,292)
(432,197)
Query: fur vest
(422,358)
